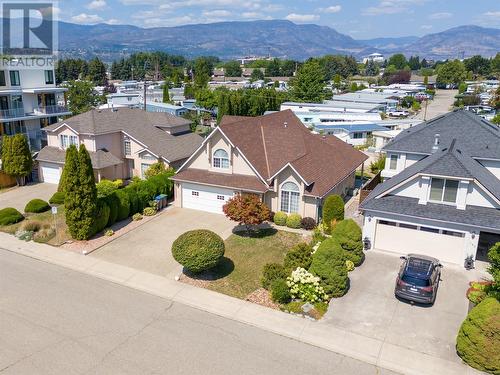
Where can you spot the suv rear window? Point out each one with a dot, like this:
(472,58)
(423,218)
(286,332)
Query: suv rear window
(415,281)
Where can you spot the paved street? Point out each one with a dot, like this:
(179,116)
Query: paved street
(57,321)
(440,105)
(18,197)
(148,248)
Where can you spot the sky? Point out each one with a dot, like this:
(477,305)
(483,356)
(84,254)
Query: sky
(361,19)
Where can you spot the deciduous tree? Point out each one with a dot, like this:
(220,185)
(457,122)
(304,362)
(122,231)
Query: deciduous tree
(246,210)
(309,83)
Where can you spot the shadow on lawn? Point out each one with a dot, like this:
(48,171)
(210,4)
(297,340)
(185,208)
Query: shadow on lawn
(261,232)
(223,269)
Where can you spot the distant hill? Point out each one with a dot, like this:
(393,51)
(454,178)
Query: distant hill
(459,41)
(279,38)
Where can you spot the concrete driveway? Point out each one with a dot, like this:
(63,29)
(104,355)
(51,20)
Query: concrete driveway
(18,197)
(148,247)
(370,308)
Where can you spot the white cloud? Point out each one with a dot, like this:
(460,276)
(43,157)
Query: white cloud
(87,18)
(97,4)
(332,9)
(392,7)
(251,15)
(426,27)
(218,13)
(440,15)
(294,17)
(492,13)
(113,21)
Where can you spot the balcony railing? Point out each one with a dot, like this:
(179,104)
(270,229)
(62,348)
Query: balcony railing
(11,113)
(51,109)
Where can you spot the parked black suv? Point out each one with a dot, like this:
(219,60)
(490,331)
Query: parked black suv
(418,278)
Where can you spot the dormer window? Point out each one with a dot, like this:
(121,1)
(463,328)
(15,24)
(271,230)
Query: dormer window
(221,159)
(443,190)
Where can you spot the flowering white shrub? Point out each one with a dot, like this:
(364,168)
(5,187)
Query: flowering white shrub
(305,286)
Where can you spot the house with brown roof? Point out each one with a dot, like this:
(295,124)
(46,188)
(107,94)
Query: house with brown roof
(274,156)
(122,142)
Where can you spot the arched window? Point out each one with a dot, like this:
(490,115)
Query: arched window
(221,159)
(290,195)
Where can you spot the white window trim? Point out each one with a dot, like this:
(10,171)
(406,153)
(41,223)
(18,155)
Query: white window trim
(68,141)
(390,161)
(290,192)
(442,192)
(220,159)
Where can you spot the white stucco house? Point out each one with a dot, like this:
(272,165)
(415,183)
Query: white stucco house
(442,195)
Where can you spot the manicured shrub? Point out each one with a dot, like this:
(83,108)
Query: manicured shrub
(109,232)
(293,221)
(57,198)
(272,272)
(298,256)
(134,200)
(349,265)
(280,218)
(149,211)
(198,250)
(333,211)
(477,341)
(113,203)
(36,206)
(308,223)
(305,286)
(137,217)
(329,265)
(280,292)
(10,216)
(123,205)
(348,235)
(102,216)
(106,187)
(494,268)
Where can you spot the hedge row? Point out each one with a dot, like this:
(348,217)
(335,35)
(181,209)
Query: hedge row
(293,221)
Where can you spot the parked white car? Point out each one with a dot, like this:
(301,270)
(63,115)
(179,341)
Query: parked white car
(398,113)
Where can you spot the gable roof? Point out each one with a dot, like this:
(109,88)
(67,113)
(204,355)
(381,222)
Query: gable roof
(474,135)
(450,162)
(273,141)
(144,127)
(100,159)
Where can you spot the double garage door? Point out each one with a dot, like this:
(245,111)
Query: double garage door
(447,246)
(51,173)
(205,198)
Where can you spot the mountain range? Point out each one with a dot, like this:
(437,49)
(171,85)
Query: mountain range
(280,38)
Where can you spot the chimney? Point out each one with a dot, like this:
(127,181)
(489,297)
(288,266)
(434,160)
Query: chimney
(435,147)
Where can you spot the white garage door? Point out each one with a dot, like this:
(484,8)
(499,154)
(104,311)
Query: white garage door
(205,198)
(447,247)
(50,173)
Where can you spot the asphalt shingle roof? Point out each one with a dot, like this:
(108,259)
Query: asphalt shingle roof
(100,159)
(140,125)
(474,135)
(272,141)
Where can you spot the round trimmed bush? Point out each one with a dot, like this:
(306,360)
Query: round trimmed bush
(329,265)
(298,256)
(308,223)
(36,206)
(348,234)
(293,221)
(271,273)
(123,205)
(10,216)
(280,292)
(57,198)
(198,250)
(477,341)
(280,218)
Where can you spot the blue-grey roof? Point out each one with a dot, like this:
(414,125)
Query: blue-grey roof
(449,162)
(353,128)
(474,135)
(473,215)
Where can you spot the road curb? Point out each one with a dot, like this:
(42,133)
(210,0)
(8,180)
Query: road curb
(319,334)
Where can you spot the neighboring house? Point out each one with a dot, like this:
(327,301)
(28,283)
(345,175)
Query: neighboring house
(333,106)
(175,110)
(274,156)
(444,197)
(29,101)
(356,134)
(120,100)
(389,101)
(122,143)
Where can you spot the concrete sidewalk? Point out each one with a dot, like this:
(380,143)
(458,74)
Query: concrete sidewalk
(325,336)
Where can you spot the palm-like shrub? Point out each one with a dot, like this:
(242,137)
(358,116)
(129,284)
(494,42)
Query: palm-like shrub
(198,250)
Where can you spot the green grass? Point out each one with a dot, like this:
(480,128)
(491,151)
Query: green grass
(240,271)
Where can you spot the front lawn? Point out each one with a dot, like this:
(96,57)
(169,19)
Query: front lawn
(239,272)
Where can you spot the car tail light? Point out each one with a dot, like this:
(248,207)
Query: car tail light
(401,282)
(427,288)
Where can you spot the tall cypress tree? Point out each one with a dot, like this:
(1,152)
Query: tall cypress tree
(81,193)
(16,157)
(166,95)
(88,193)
